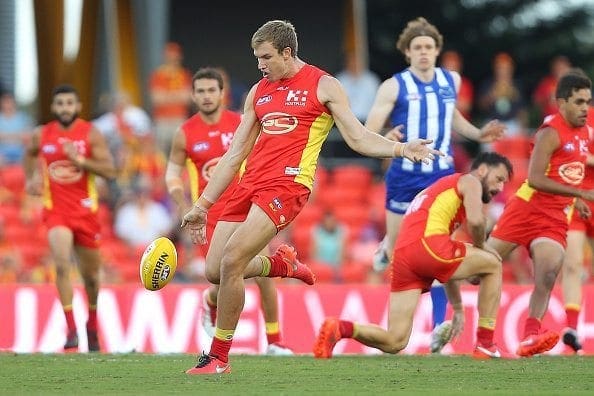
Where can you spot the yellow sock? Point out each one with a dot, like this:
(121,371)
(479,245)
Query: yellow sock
(487,323)
(265,265)
(225,335)
(272,327)
(355,329)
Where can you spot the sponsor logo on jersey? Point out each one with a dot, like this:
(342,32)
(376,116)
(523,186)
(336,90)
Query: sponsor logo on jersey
(278,123)
(200,146)
(572,173)
(292,171)
(213,133)
(296,98)
(413,96)
(64,172)
(263,99)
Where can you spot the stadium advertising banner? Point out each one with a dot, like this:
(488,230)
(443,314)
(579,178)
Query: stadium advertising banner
(168,321)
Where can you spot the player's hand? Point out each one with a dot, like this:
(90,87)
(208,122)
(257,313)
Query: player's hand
(583,209)
(457,324)
(395,133)
(417,150)
(493,130)
(195,221)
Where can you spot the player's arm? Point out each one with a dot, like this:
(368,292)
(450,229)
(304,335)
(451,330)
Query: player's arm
(491,131)
(230,163)
(175,165)
(384,102)
(100,162)
(361,139)
(546,142)
(472,191)
(30,163)
(452,289)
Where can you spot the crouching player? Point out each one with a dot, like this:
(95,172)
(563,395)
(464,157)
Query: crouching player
(426,252)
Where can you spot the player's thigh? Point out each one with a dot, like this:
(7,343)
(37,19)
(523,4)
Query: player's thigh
(547,255)
(574,253)
(403,305)
(504,248)
(89,260)
(250,237)
(477,262)
(221,234)
(60,239)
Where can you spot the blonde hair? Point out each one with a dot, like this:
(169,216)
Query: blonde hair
(281,34)
(415,28)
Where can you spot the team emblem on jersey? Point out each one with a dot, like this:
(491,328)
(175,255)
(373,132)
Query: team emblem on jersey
(209,167)
(572,173)
(278,123)
(263,99)
(446,92)
(64,172)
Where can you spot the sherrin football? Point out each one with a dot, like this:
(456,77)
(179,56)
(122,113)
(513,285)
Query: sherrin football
(158,264)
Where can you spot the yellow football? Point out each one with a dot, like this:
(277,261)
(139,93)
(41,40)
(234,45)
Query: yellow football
(158,264)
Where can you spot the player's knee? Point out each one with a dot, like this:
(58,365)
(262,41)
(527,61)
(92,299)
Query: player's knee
(550,278)
(396,343)
(213,274)
(232,265)
(62,271)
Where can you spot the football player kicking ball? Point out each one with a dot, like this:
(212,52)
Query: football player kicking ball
(426,251)
(199,144)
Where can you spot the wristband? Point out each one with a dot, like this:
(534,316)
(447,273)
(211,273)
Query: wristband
(203,203)
(400,150)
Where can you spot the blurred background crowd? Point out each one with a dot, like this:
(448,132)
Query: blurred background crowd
(509,65)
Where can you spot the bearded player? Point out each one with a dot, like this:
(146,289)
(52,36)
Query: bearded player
(72,153)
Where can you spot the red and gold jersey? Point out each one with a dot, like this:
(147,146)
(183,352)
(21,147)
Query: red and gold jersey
(566,166)
(66,187)
(437,210)
(205,145)
(294,124)
(588,182)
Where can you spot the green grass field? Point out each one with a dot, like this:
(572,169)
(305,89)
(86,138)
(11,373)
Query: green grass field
(85,374)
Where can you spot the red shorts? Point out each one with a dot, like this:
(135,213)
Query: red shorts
(86,230)
(415,266)
(521,223)
(584,225)
(280,202)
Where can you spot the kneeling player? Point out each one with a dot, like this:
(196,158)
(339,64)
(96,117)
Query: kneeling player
(426,252)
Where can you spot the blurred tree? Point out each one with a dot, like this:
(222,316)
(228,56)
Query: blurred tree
(532,31)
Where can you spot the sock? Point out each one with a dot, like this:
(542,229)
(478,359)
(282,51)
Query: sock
(531,327)
(221,344)
(440,303)
(572,312)
(273,266)
(273,332)
(69,314)
(485,331)
(92,321)
(346,328)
